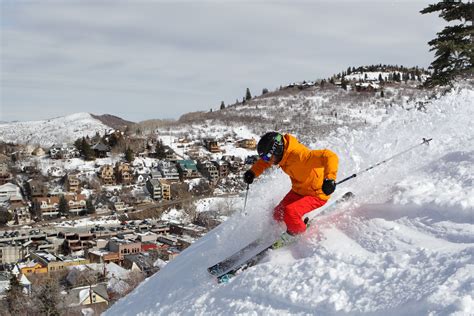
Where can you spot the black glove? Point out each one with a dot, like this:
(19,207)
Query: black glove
(249,176)
(329,186)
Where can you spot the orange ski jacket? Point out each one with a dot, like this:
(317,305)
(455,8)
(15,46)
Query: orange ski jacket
(307,168)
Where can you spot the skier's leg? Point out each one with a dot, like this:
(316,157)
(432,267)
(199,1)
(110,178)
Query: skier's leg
(295,211)
(279,210)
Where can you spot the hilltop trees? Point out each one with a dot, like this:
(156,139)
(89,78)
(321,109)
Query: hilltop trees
(453,47)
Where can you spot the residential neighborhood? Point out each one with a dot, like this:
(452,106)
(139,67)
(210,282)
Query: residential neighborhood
(95,206)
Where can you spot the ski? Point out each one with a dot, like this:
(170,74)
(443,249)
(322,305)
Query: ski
(256,250)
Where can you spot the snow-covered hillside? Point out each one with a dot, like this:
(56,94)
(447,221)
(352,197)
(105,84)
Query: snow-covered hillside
(58,130)
(405,247)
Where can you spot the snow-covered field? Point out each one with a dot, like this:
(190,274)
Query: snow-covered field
(405,247)
(65,129)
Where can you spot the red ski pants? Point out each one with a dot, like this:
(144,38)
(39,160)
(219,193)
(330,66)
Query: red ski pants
(292,208)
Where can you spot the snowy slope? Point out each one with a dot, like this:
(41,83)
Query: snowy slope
(406,246)
(65,129)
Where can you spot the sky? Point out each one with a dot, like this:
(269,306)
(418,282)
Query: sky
(144,60)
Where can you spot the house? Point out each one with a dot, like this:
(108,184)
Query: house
(72,183)
(211,145)
(100,150)
(32,267)
(223,167)
(155,175)
(49,206)
(123,173)
(165,189)
(106,174)
(187,169)
(37,188)
(154,187)
(103,256)
(5,283)
(247,143)
(5,175)
(192,230)
(144,262)
(366,87)
(63,151)
(21,212)
(90,296)
(10,192)
(208,170)
(38,151)
(77,203)
(168,170)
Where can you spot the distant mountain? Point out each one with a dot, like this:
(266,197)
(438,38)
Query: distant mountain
(113,121)
(52,131)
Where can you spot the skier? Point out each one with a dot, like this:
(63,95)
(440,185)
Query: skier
(312,174)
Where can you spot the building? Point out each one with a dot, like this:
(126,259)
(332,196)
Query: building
(32,267)
(155,189)
(77,203)
(165,189)
(223,167)
(10,192)
(55,263)
(72,183)
(124,247)
(187,169)
(37,188)
(5,175)
(63,151)
(106,174)
(94,297)
(103,256)
(12,252)
(168,170)
(101,150)
(247,143)
(21,212)
(211,145)
(77,242)
(123,173)
(49,206)
(208,170)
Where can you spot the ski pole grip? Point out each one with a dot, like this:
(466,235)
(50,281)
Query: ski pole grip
(348,178)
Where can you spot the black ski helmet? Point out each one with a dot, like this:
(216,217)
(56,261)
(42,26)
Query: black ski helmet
(270,144)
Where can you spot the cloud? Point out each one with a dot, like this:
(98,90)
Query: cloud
(152,59)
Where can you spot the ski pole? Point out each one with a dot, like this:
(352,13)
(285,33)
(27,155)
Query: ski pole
(246,195)
(425,141)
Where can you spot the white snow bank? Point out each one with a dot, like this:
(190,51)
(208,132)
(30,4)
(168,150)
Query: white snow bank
(406,245)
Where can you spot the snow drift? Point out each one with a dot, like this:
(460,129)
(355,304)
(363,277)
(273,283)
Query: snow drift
(406,246)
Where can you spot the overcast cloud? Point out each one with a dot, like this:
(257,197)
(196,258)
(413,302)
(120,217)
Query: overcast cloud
(151,59)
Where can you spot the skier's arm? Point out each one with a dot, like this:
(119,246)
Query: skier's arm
(325,159)
(259,167)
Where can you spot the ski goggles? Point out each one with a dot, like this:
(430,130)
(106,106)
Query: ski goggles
(266,157)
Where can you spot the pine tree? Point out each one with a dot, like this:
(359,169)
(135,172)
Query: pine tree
(248,96)
(14,296)
(87,151)
(454,55)
(264,91)
(222,105)
(90,208)
(63,205)
(129,156)
(160,151)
